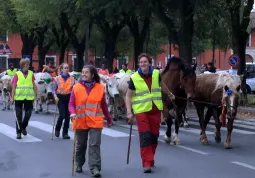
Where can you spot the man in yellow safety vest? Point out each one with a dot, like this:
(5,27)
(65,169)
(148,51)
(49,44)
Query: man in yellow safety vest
(125,69)
(11,71)
(144,95)
(24,91)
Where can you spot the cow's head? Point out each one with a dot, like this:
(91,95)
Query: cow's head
(6,83)
(44,82)
(111,85)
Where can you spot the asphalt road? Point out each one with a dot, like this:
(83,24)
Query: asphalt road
(37,156)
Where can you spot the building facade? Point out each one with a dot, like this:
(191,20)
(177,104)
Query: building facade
(11,46)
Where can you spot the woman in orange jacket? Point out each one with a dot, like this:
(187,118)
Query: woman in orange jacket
(62,87)
(88,108)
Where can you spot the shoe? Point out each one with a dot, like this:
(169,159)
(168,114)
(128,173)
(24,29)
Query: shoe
(95,173)
(79,169)
(24,132)
(65,136)
(18,135)
(147,170)
(57,133)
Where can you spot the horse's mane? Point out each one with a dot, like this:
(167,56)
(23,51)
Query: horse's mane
(232,81)
(173,60)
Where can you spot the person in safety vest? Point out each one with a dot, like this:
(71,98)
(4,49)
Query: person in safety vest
(103,70)
(62,87)
(144,95)
(88,108)
(125,69)
(11,71)
(24,91)
(50,69)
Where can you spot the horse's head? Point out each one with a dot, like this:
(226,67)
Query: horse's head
(231,97)
(188,79)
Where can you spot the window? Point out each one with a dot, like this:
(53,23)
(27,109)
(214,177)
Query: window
(3,36)
(248,44)
(50,58)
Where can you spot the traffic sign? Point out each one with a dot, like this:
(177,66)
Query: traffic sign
(234,60)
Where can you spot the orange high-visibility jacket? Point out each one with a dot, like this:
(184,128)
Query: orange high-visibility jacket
(89,113)
(104,72)
(64,87)
(53,74)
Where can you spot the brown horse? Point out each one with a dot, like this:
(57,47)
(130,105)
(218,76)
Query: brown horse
(179,79)
(210,91)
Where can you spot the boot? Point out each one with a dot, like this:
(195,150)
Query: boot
(18,135)
(79,169)
(24,132)
(147,170)
(95,173)
(57,133)
(65,136)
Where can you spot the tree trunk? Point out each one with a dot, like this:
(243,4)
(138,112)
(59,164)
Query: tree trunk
(186,30)
(79,58)
(138,49)
(29,43)
(62,54)
(110,46)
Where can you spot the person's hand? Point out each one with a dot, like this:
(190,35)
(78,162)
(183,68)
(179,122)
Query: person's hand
(11,101)
(109,123)
(73,116)
(130,117)
(56,99)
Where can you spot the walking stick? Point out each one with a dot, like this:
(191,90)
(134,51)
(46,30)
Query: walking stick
(54,121)
(14,111)
(129,142)
(74,145)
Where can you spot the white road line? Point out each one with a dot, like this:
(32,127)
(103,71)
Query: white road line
(11,133)
(162,132)
(48,128)
(225,129)
(244,165)
(180,146)
(188,148)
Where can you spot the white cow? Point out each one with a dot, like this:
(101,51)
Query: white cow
(6,89)
(76,75)
(111,93)
(44,85)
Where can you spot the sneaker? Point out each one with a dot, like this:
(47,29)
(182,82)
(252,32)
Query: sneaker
(24,132)
(79,169)
(18,135)
(65,136)
(147,170)
(57,133)
(95,173)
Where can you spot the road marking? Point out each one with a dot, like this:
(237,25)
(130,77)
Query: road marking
(162,132)
(225,129)
(105,131)
(188,148)
(244,165)
(11,133)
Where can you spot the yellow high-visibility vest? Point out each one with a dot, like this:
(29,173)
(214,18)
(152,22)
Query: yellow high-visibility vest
(127,72)
(11,73)
(24,89)
(143,98)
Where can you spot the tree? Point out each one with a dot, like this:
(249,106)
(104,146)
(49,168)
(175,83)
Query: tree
(178,15)
(240,20)
(211,26)
(240,11)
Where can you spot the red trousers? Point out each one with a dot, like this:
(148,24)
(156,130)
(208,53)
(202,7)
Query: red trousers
(148,124)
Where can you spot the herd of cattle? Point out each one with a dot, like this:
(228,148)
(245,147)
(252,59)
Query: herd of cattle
(115,89)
